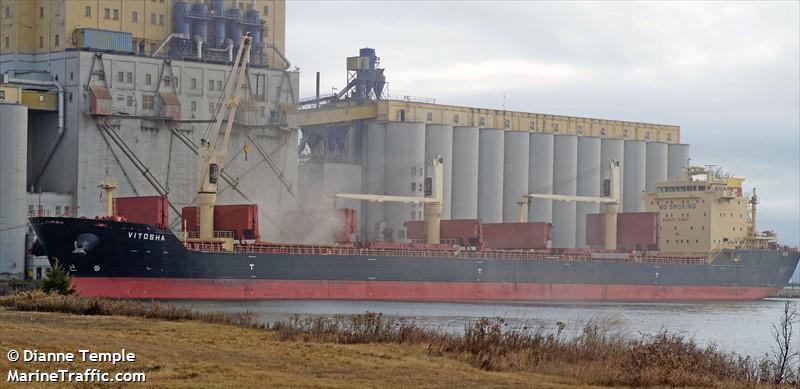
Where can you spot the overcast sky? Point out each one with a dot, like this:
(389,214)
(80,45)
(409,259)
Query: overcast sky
(727,73)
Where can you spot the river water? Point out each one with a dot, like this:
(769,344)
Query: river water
(741,327)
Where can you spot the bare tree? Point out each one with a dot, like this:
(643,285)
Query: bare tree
(784,353)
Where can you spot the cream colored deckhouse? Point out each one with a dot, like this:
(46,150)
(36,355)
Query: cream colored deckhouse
(703,212)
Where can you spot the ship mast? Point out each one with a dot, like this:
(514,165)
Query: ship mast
(108,186)
(753,203)
(212,159)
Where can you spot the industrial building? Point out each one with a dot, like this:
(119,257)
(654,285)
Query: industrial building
(131,103)
(49,26)
(361,140)
(75,114)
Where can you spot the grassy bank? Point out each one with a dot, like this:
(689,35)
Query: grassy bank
(197,354)
(181,347)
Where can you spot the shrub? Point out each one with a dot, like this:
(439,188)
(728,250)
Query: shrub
(57,280)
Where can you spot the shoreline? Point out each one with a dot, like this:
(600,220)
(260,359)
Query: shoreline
(225,346)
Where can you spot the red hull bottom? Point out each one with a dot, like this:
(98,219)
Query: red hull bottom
(225,289)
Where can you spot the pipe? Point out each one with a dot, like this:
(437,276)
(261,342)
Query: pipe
(285,61)
(167,39)
(60,133)
(199,41)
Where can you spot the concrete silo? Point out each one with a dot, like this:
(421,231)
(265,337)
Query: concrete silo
(633,182)
(13,175)
(656,169)
(439,141)
(405,173)
(540,176)
(677,160)
(610,150)
(464,195)
(565,171)
(490,175)
(588,184)
(375,181)
(515,172)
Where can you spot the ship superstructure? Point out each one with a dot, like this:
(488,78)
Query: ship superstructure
(705,211)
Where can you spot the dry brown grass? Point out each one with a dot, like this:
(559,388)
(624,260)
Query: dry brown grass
(595,356)
(95,306)
(195,354)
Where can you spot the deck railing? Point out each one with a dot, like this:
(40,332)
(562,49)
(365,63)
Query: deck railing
(268,248)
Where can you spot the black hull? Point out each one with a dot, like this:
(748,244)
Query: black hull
(128,251)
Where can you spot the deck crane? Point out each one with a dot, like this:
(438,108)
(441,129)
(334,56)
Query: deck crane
(212,159)
(434,187)
(611,200)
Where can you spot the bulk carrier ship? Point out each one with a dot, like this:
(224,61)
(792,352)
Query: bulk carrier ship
(109,257)
(698,241)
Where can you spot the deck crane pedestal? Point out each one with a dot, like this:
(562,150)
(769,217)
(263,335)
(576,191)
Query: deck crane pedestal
(611,200)
(211,159)
(434,187)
